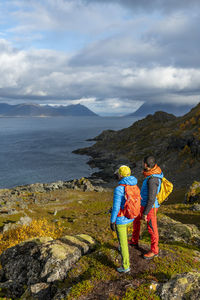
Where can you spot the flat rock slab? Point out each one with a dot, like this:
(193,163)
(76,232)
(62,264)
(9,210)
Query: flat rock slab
(39,262)
(183,286)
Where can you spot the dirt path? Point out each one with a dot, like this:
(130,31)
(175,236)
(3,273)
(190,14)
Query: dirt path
(133,279)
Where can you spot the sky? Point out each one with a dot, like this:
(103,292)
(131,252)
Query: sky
(109,55)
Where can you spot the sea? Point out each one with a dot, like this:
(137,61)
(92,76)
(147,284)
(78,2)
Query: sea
(40,149)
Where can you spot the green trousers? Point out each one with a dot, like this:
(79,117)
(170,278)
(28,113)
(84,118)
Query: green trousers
(123,242)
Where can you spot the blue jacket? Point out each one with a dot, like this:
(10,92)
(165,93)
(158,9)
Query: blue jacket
(119,200)
(145,192)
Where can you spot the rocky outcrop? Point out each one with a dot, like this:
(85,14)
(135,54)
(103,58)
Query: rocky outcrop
(8,196)
(31,268)
(195,207)
(183,286)
(171,230)
(193,194)
(83,184)
(187,140)
(175,142)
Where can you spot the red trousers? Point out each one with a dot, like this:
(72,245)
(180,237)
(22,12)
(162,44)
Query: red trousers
(152,228)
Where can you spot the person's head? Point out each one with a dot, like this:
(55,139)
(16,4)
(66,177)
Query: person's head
(149,162)
(123,171)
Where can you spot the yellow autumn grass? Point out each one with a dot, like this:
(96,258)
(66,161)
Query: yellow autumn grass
(37,228)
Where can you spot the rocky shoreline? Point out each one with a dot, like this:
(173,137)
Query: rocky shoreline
(84,184)
(106,161)
(174,141)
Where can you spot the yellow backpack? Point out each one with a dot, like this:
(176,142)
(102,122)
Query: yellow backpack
(165,189)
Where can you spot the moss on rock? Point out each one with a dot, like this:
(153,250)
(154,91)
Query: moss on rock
(171,230)
(183,286)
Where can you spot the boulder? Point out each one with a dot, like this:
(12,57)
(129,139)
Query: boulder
(193,194)
(83,184)
(40,290)
(171,230)
(34,265)
(195,207)
(183,286)
(22,221)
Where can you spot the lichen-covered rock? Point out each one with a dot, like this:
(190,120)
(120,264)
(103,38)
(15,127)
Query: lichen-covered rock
(193,195)
(40,290)
(81,184)
(195,207)
(39,262)
(22,221)
(183,286)
(171,230)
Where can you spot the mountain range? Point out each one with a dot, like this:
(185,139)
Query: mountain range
(151,108)
(36,110)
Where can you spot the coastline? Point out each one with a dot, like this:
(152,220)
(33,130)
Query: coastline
(82,184)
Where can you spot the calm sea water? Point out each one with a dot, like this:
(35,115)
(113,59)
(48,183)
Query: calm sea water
(40,149)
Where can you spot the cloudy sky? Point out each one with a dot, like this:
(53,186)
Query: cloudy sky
(110,55)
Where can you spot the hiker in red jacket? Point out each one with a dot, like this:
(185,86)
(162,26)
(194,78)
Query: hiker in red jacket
(149,205)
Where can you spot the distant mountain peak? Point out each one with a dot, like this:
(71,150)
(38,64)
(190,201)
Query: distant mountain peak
(151,108)
(29,104)
(36,110)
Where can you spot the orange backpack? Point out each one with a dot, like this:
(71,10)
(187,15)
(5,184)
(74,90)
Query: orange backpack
(133,202)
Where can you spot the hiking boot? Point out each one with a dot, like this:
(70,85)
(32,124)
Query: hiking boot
(130,242)
(149,255)
(122,270)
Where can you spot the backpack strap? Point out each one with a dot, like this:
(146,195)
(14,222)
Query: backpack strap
(151,176)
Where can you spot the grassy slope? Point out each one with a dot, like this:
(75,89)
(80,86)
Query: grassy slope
(94,274)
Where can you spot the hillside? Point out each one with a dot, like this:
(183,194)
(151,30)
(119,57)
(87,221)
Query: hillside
(175,142)
(36,110)
(43,254)
(151,108)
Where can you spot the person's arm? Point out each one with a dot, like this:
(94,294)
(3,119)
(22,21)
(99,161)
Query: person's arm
(117,200)
(153,184)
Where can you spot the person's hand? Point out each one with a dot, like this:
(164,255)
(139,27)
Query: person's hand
(144,217)
(112,226)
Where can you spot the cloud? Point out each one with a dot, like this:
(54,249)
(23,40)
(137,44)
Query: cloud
(155,5)
(173,41)
(109,55)
(47,75)
(61,20)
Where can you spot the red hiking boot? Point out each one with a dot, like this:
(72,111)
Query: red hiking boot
(149,255)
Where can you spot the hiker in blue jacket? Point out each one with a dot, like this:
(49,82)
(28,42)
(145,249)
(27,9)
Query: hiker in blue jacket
(118,221)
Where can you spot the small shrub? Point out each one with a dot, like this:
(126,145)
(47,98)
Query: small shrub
(37,228)
(185,151)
